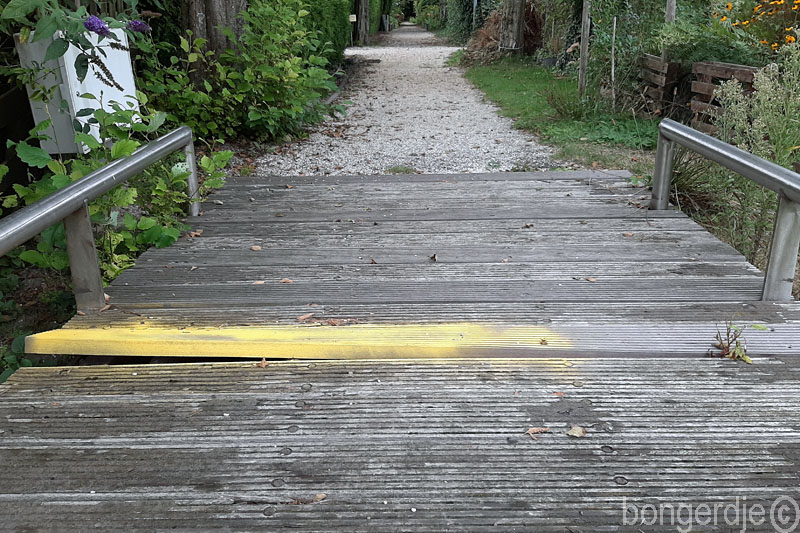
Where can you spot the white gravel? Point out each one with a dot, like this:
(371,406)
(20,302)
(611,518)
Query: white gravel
(409,110)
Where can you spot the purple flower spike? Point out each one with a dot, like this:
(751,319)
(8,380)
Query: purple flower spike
(138,26)
(94,24)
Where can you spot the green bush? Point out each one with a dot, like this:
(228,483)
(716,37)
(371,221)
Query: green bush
(459,19)
(268,85)
(331,19)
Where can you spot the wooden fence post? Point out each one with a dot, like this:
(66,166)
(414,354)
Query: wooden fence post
(584,47)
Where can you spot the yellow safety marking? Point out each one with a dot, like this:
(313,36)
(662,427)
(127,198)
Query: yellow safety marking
(361,341)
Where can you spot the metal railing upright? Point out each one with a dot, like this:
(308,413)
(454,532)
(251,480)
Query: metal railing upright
(71,204)
(786,233)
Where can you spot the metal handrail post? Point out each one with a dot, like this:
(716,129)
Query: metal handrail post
(662,175)
(782,263)
(779,278)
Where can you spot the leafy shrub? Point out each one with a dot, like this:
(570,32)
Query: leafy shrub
(689,41)
(268,85)
(143,212)
(459,19)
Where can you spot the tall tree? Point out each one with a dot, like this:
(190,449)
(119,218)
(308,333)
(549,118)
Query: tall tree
(512,25)
(207,19)
(361,34)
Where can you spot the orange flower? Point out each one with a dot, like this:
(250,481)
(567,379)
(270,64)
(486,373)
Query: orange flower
(729,6)
(774,46)
(790,39)
(723,19)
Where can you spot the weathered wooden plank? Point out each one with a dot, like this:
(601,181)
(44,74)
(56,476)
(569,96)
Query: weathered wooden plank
(571,175)
(658,79)
(704,88)
(710,311)
(420,445)
(725,70)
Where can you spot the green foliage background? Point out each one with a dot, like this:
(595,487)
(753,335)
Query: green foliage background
(331,18)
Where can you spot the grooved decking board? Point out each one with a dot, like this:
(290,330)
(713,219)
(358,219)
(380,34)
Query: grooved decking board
(395,446)
(571,253)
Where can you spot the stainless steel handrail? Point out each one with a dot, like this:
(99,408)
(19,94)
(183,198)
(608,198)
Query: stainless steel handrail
(71,204)
(786,234)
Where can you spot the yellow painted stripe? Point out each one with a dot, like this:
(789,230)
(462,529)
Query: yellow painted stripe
(303,342)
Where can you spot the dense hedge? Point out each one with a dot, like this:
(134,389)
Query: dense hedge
(332,19)
(459,19)
(376,9)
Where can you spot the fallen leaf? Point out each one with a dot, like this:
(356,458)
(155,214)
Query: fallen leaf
(505,260)
(81,313)
(372,261)
(263,363)
(338,321)
(280,215)
(527,226)
(627,234)
(543,341)
(536,431)
(591,279)
(433,258)
(594,164)
(105,308)
(577,431)
(106,297)
(256,248)
(286,280)
(192,269)
(303,318)
(193,234)
(259,282)
(319,497)
(290,186)
(558,394)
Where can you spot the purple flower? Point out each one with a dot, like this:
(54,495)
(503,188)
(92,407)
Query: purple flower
(138,26)
(94,24)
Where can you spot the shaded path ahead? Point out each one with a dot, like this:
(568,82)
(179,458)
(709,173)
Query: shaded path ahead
(410,110)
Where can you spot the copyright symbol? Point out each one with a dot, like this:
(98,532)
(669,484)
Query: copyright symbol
(780,514)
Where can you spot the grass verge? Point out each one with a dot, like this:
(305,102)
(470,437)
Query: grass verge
(580,128)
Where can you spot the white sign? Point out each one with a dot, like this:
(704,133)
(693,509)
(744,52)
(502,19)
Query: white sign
(61,72)
(353,18)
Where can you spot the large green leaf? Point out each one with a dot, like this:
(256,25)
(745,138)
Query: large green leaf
(16,9)
(123,148)
(56,49)
(32,155)
(45,28)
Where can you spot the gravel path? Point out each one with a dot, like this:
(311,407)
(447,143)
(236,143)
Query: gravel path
(409,113)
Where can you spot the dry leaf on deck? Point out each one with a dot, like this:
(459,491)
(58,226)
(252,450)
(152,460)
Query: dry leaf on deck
(577,431)
(259,282)
(263,363)
(591,279)
(627,234)
(286,280)
(305,317)
(536,431)
(255,248)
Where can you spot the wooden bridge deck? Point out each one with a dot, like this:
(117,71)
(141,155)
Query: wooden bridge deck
(401,446)
(510,264)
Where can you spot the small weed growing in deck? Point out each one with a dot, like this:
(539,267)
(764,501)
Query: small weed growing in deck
(732,344)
